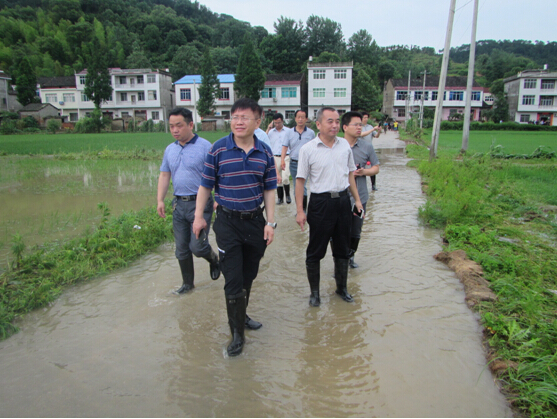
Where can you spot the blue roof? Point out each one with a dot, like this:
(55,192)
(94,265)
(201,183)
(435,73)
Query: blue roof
(223,78)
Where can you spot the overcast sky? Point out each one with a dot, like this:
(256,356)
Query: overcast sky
(407,22)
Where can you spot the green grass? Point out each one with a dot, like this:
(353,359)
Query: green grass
(503,213)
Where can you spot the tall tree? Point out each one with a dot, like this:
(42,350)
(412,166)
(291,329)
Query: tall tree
(250,78)
(210,86)
(26,83)
(365,93)
(97,80)
(323,34)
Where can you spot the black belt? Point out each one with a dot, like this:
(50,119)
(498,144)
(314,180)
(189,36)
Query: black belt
(243,215)
(187,197)
(294,160)
(278,155)
(332,194)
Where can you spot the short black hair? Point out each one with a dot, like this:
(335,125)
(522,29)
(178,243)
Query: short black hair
(278,115)
(186,113)
(300,110)
(364,113)
(347,117)
(247,103)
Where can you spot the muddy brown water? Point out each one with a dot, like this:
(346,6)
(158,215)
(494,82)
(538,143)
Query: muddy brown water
(123,345)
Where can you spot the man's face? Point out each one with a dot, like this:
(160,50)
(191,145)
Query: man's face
(354,127)
(301,119)
(244,122)
(364,119)
(279,123)
(329,124)
(180,129)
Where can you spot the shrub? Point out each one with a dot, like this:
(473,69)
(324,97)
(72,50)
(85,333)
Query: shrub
(8,126)
(53,125)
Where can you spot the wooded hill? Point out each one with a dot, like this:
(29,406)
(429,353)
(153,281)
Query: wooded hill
(57,37)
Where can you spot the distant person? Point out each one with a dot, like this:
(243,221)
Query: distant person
(241,169)
(368,133)
(277,132)
(183,162)
(296,138)
(328,164)
(395,125)
(385,126)
(262,136)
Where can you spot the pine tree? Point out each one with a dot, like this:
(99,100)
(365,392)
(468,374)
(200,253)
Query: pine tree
(26,83)
(250,78)
(97,80)
(210,86)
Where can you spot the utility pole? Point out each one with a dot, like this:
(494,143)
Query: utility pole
(442,80)
(470,81)
(407,110)
(423,98)
(194,100)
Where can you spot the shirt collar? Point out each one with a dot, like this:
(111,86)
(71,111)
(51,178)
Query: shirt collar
(231,144)
(192,141)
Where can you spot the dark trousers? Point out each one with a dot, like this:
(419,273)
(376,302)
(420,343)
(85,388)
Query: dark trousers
(182,220)
(357,224)
(328,218)
(241,247)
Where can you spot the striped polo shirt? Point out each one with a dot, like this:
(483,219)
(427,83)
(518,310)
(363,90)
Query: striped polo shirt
(239,179)
(185,164)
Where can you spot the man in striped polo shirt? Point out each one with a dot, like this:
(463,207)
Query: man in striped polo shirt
(328,164)
(183,162)
(241,169)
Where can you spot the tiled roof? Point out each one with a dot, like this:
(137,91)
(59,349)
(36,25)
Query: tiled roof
(66,81)
(223,78)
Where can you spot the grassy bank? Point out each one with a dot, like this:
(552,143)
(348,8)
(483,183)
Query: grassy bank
(503,213)
(37,277)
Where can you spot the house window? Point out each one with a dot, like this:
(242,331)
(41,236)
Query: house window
(530,83)
(340,92)
(290,114)
(401,95)
(51,98)
(125,114)
(524,118)
(185,94)
(318,74)
(477,96)
(548,84)
(152,95)
(456,96)
(141,96)
(151,78)
(226,114)
(269,92)
(418,95)
(155,115)
(122,79)
(288,92)
(69,97)
(401,112)
(84,98)
(139,79)
(81,79)
(546,100)
(224,93)
(434,95)
(528,99)
(124,97)
(340,74)
(319,92)
(73,117)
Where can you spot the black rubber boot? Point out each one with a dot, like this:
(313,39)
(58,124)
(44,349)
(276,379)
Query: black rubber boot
(287,193)
(250,323)
(341,277)
(305,203)
(186,267)
(354,241)
(236,309)
(214,267)
(280,194)
(313,271)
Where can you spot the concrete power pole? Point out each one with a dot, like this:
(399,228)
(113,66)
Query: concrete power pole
(422,102)
(442,80)
(470,82)
(407,110)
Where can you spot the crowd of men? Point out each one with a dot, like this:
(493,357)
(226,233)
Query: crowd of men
(237,177)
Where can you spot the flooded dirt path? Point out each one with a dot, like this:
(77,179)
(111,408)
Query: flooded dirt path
(123,345)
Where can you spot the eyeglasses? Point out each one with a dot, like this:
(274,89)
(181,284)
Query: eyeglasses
(355,125)
(243,119)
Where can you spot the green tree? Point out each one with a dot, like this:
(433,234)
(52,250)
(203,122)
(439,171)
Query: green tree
(250,79)
(97,80)
(365,93)
(210,86)
(362,48)
(26,83)
(323,34)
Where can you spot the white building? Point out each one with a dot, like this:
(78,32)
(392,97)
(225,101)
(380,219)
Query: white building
(137,93)
(282,93)
(8,96)
(329,84)
(532,97)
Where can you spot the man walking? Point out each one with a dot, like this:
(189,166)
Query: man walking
(368,133)
(183,162)
(296,138)
(241,169)
(327,162)
(363,153)
(277,133)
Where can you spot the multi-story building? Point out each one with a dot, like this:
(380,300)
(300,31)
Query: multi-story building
(329,84)
(283,93)
(187,94)
(8,97)
(532,97)
(137,93)
(396,92)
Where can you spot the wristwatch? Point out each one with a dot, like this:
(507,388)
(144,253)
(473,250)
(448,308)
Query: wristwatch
(274,225)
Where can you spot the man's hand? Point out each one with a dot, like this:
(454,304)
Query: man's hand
(359,172)
(301,219)
(160,209)
(360,207)
(269,234)
(198,225)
